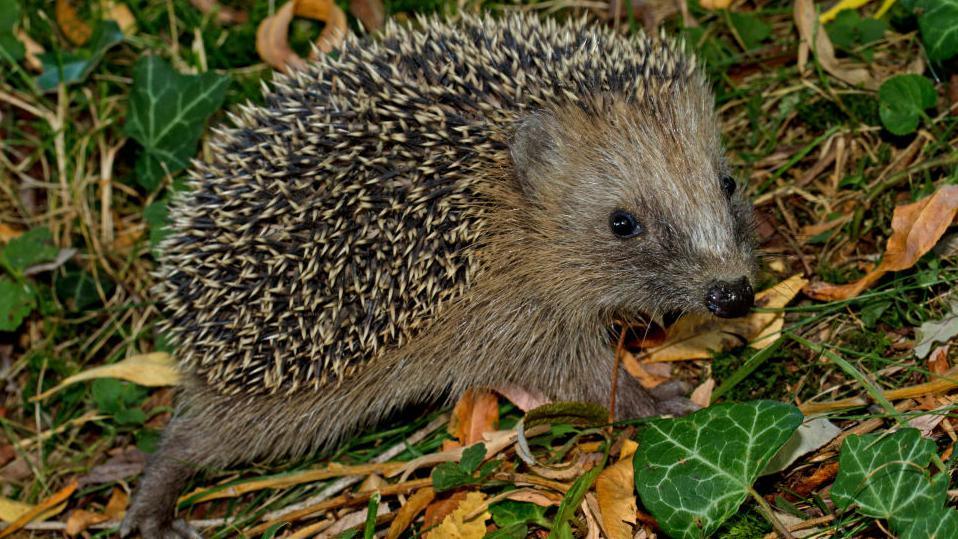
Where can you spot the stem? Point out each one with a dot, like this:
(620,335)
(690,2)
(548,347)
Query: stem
(770,515)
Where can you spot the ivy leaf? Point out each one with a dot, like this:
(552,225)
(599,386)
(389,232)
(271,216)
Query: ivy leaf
(32,247)
(938,22)
(472,457)
(167,114)
(448,475)
(17,300)
(694,472)
(887,477)
(72,67)
(10,46)
(849,29)
(902,101)
(940,524)
(509,513)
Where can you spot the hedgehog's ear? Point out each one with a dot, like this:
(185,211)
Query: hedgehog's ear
(535,149)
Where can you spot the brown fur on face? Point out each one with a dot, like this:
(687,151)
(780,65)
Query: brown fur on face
(428,214)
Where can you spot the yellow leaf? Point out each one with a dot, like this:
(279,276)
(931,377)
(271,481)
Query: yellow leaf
(11,510)
(841,6)
(614,492)
(155,369)
(715,4)
(699,337)
(455,525)
(48,507)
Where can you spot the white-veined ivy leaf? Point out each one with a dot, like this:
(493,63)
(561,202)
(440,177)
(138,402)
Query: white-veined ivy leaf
(694,472)
(72,67)
(10,47)
(17,300)
(902,100)
(167,114)
(938,22)
(937,331)
(940,524)
(30,248)
(887,477)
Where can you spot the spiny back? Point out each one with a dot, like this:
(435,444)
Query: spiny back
(338,220)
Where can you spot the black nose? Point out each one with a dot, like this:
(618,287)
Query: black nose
(730,299)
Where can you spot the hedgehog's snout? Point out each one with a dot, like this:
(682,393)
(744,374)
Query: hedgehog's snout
(730,299)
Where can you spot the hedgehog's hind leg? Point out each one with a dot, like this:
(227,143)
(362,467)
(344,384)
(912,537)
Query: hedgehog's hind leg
(152,510)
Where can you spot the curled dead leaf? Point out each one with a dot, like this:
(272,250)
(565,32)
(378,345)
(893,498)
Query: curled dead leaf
(272,41)
(702,395)
(476,413)
(80,519)
(614,490)
(73,27)
(152,370)
(32,51)
(456,523)
(45,508)
(916,228)
(409,511)
(815,39)
(695,337)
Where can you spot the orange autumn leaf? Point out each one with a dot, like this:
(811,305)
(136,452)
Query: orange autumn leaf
(272,41)
(476,413)
(40,509)
(70,23)
(409,511)
(614,490)
(916,228)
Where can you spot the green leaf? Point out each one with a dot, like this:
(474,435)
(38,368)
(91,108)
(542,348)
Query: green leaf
(472,457)
(938,22)
(79,290)
(887,477)
(940,524)
(849,29)
(73,67)
(584,414)
(17,300)
(572,500)
(902,101)
(512,531)
(32,247)
(750,28)
(156,216)
(694,472)
(448,475)
(10,46)
(167,114)
(509,512)
(115,396)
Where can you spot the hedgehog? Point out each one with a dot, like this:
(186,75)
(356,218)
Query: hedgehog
(466,204)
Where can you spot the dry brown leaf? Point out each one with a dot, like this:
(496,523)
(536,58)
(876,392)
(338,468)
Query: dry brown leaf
(372,483)
(31,52)
(409,511)
(715,4)
(8,233)
(542,498)
(120,13)
(369,12)
(449,517)
(916,228)
(42,509)
(699,337)
(224,14)
(151,370)
(476,413)
(81,519)
(523,399)
(702,395)
(938,360)
(614,492)
(70,23)
(647,378)
(272,41)
(815,38)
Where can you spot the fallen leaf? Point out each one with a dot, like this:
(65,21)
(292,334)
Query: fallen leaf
(31,52)
(11,510)
(842,5)
(369,12)
(70,23)
(41,509)
(815,38)
(938,361)
(151,370)
(810,436)
(695,337)
(702,395)
(806,484)
(409,511)
(272,41)
(455,525)
(127,462)
(476,413)
(8,233)
(224,14)
(542,498)
(927,422)
(523,399)
(372,483)
(916,228)
(715,4)
(937,331)
(646,377)
(615,493)
(121,14)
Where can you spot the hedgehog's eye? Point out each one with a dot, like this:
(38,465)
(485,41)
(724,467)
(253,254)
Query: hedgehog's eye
(728,185)
(624,225)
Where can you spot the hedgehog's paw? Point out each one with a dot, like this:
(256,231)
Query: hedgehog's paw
(154,526)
